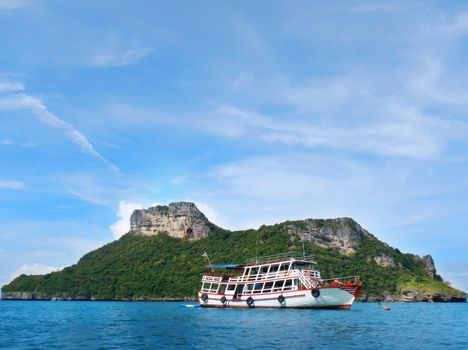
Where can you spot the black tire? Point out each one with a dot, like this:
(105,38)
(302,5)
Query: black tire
(223,299)
(281,299)
(204,297)
(315,293)
(250,301)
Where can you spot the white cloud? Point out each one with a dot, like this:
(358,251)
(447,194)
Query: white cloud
(18,101)
(87,188)
(211,214)
(33,269)
(448,27)
(112,57)
(407,132)
(13,4)
(122,225)
(177,180)
(11,185)
(10,86)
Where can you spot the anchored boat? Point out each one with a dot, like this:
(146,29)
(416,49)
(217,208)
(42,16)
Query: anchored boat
(277,281)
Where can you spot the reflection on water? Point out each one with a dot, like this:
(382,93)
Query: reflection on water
(140,325)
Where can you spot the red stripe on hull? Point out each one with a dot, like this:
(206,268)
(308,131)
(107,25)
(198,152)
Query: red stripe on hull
(334,307)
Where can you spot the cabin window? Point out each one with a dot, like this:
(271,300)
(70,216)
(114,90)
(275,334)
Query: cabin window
(268,287)
(247,272)
(278,286)
(284,267)
(258,287)
(248,287)
(288,285)
(254,271)
(264,269)
(231,287)
(206,287)
(222,288)
(214,287)
(274,268)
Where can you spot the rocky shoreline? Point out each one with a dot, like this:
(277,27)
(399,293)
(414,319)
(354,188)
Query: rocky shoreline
(416,296)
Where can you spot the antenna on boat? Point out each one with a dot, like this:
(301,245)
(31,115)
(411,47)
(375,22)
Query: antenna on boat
(205,255)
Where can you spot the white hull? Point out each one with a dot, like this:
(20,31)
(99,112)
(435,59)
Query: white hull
(332,298)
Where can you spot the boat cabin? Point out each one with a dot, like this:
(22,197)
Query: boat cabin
(274,276)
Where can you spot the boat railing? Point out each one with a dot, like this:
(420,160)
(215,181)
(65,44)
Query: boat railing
(280,257)
(338,281)
(268,276)
(209,278)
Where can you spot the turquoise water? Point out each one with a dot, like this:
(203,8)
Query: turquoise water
(159,325)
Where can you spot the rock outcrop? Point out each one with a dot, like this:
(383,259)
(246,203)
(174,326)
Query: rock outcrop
(384,260)
(180,220)
(343,234)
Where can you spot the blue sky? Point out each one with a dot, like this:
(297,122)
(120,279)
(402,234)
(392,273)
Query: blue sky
(257,111)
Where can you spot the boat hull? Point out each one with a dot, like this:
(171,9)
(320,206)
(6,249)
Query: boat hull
(329,298)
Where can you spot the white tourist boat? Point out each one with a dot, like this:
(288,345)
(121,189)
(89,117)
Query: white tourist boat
(279,281)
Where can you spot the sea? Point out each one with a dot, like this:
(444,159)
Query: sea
(171,325)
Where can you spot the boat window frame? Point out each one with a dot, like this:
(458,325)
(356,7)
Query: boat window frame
(231,287)
(266,289)
(290,286)
(204,288)
(272,267)
(213,288)
(287,266)
(222,288)
(248,288)
(258,287)
(280,286)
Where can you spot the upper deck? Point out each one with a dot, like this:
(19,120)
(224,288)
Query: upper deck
(271,267)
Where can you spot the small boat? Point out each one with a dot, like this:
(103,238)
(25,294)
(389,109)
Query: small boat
(277,281)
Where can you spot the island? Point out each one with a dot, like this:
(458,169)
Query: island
(161,258)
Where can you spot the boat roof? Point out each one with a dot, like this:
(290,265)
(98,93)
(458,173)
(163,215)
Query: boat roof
(282,257)
(225,266)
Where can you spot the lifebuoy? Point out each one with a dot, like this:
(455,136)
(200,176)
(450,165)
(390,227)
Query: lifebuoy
(250,301)
(315,293)
(281,299)
(204,297)
(223,299)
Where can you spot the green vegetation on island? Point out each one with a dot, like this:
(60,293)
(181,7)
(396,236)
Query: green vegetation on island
(137,267)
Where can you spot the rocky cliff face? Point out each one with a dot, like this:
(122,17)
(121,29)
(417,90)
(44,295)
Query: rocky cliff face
(180,220)
(343,234)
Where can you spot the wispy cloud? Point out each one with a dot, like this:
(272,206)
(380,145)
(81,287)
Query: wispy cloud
(21,100)
(12,185)
(114,53)
(13,4)
(376,7)
(33,269)
(448,27)
(113,57)
(9,86)
(86,187)
(408,133)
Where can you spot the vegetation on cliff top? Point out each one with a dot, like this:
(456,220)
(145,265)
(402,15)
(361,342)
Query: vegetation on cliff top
(142,267)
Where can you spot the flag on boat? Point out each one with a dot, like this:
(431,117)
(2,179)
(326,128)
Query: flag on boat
(205,255)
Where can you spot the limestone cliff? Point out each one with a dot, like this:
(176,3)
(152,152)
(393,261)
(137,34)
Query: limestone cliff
(343,234)
(179,220)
